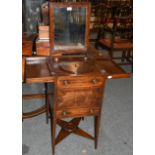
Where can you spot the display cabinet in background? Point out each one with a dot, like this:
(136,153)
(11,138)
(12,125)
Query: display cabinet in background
(31,15)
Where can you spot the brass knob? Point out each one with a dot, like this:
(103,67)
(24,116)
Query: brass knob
(94,81)
(65,82)
(64,113)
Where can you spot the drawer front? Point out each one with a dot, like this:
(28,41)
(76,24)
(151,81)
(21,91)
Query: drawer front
(79,98)
(80,82)
(43,51)
(79,112)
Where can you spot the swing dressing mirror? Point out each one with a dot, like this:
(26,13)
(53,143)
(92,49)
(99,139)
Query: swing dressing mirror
(69,27)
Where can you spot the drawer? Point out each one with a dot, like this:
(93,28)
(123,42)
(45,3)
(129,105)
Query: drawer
(80,82)
(80,112)
(79,98)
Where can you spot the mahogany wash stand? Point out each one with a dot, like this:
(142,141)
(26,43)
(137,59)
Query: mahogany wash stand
(78,74)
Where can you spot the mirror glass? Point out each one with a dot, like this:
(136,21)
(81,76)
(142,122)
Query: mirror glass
(69,28)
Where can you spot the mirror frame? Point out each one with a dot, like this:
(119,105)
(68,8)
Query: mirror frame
(54,5)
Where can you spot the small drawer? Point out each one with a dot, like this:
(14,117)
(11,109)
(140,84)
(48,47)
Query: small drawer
(80,82)
(79,112)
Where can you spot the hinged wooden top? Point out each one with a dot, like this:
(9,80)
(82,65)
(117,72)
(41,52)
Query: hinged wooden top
(44,69)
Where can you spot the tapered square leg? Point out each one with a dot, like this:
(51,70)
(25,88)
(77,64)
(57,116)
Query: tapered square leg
(53,129)
(46,103)
(97,129)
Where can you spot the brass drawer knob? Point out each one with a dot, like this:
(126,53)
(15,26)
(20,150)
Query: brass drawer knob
(65,82)
(94,81)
